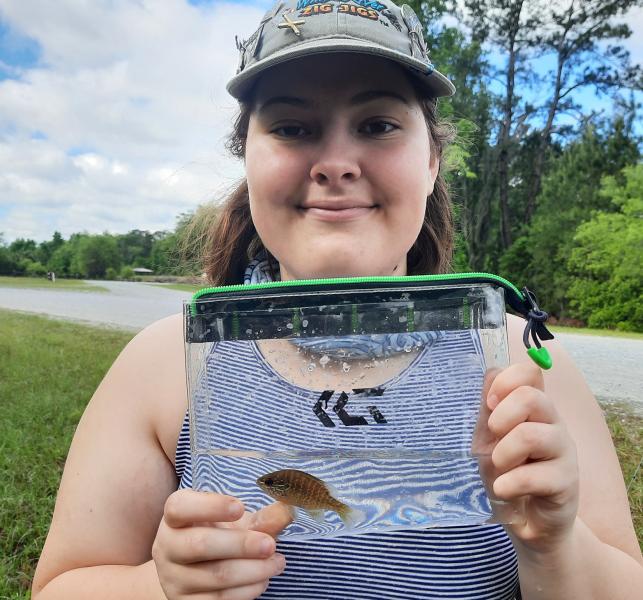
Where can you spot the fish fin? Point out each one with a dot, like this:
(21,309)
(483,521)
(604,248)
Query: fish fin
(349,516)
(318,515)
(332,490)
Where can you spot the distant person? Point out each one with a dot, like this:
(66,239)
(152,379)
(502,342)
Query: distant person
(343,153)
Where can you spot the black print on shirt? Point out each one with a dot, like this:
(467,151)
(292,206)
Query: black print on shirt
(344,416)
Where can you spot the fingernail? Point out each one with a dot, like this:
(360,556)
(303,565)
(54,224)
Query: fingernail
(266,545)
(279,560)
(235,508)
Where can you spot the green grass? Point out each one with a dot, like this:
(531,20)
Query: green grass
(627,433)
(48,371)
(70,285)
(604,332)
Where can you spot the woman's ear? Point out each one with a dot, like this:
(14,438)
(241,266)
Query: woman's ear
(434,169)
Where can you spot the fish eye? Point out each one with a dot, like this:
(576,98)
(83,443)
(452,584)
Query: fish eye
(269,481)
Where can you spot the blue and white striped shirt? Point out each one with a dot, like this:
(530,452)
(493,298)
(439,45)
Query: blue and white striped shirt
(473,562)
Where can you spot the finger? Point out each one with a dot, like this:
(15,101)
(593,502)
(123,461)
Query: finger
(246,592)
(514,376)
(483,439)
(522,404)
(542,479)
(225,574)
(528,441)
(489,378)
(198,544)
(272,519)
(187,507)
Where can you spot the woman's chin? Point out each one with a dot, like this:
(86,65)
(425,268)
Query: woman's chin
(333,270)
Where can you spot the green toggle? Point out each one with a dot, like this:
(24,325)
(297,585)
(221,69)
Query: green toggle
(540,356)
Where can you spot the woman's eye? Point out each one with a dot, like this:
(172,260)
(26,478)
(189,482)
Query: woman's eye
(378,127)
(290,131)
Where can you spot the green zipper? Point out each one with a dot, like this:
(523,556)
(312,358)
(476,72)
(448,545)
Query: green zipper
(352,280)
(524,303)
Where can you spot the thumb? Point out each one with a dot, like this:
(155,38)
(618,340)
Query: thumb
(272,519)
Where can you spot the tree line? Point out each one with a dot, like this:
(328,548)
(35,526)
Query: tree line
(103,256)
(548,193)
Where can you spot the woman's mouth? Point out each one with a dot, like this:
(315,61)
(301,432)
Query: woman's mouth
(337,210)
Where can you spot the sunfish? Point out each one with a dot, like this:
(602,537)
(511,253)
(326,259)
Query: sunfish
(303,490)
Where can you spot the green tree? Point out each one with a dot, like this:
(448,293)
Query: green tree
(135,247)
(127,273)
(95,254)
(579,37)
(606,261)
(570,192)
(462,60)
(22,249)
(35,269)
(524,126)
(47,249)
(7,262)
(63,257)
(164,253)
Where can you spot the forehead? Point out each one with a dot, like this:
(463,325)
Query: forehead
(333,76)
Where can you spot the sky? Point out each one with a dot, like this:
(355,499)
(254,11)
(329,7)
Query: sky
(113,113)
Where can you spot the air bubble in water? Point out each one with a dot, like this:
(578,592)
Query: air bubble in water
(305,322)
(289,325)
(311,367)
(324,360)
(346,367)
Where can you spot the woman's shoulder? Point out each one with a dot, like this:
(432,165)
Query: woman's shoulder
(149,377)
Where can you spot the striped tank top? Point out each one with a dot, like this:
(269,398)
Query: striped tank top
(472,562)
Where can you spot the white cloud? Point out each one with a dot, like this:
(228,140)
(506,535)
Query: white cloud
(122,124)
(130,111)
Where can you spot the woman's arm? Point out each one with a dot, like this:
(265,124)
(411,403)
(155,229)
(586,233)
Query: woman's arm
(593,553)
(116,478)
(117,507)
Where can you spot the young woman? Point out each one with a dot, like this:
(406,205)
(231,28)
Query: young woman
(342,151)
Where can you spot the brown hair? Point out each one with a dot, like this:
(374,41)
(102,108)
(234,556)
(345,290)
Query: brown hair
(233,240)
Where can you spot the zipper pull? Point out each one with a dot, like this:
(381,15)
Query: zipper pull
(536,327)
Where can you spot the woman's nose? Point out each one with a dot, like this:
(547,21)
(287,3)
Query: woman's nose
(337,162)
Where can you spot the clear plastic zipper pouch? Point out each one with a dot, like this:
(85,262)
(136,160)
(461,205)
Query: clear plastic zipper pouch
(355,402)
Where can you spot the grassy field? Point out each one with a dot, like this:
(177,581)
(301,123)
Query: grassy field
(48,371)
(70,285)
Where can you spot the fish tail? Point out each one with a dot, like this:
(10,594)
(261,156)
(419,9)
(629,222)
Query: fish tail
(346,514)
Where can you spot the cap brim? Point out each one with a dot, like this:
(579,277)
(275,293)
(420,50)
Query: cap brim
(433,82)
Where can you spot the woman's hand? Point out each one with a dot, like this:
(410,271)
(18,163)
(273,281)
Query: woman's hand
(206,547)
(533,458)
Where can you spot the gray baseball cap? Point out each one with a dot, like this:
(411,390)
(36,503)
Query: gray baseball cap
(293,29)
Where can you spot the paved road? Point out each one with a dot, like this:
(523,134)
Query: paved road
(127,305)
(613,367)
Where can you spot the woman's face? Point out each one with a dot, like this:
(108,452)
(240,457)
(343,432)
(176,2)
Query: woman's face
(339,166)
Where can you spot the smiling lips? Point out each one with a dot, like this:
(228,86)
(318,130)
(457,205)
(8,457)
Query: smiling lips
(337,210)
